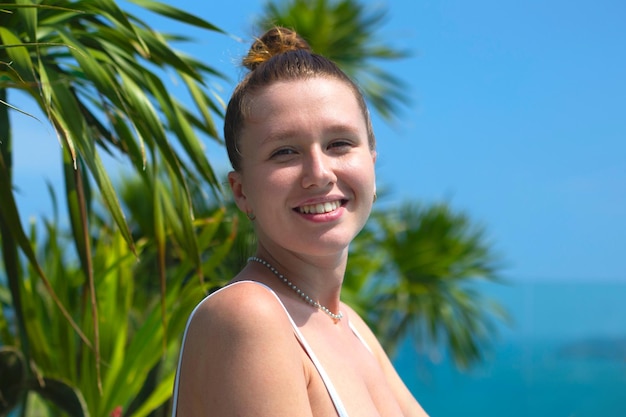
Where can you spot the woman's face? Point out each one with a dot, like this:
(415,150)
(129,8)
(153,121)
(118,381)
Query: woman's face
(307,170)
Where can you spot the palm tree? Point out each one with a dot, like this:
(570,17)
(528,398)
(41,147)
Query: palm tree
(346,32)
(415,271)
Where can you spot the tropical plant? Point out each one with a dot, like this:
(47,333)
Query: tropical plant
(347,32)
(415,273)
(137,352)
(96,72)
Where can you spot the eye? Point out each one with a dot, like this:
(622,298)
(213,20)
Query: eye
(282,152)
(340,144)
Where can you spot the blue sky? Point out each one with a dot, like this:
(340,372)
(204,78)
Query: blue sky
(518,118)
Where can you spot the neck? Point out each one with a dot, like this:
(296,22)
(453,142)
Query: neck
(319,277)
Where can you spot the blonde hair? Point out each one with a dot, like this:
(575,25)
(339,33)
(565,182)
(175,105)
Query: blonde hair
(280,54)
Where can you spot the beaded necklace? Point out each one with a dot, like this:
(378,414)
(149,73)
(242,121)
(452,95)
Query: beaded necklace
(298,291)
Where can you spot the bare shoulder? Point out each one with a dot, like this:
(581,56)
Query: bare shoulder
(237,316)
(238,306)
(238,339)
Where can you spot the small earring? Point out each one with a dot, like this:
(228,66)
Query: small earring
(251,216)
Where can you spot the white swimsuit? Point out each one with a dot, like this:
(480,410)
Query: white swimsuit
(341,411)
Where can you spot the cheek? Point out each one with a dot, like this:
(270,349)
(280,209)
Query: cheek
(363,170)
(265,187)
(278,179)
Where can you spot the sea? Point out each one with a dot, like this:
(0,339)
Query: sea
(562,354)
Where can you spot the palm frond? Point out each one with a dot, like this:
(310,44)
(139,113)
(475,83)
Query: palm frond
(347,32)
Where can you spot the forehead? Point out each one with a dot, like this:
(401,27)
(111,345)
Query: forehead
(305,103)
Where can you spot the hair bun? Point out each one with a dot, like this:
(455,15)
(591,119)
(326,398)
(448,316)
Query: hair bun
(275,41)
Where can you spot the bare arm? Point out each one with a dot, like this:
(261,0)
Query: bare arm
(240,358)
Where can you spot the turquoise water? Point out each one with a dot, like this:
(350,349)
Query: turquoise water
(565,355)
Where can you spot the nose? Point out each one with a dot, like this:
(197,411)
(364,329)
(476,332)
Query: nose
(317,170)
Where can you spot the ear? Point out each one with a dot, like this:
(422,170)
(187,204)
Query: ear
(236,186)
(374,155)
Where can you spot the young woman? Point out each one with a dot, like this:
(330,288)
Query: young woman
(277,341)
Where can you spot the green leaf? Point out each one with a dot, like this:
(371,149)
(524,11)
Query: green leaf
(176,14)
(20,61)
(158,397)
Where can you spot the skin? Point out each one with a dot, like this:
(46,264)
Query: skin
(304,144)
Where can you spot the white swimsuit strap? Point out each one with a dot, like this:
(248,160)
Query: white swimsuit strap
(334,396)
(358,336)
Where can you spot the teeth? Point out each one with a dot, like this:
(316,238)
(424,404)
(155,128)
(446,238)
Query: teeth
(320,208)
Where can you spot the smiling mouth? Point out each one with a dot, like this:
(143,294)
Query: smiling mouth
(320,208)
